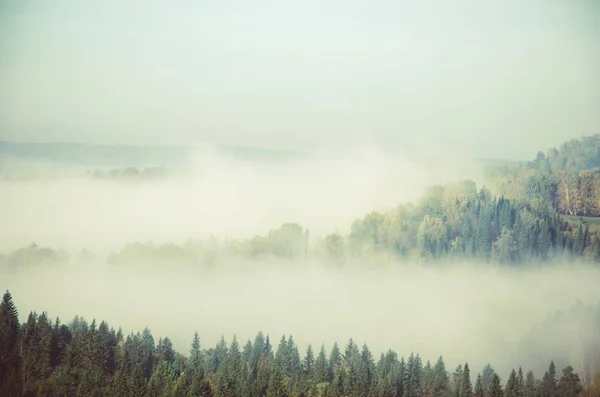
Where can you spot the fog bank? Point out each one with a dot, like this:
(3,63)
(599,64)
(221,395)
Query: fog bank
(213,194)
(473,312)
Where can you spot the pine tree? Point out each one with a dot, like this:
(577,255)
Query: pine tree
(277,385)
(184,383)
(367,371)
(61,336)
(137,383)
(441,382)
(569,384)
(282,359)
(293,356)
(505,215)
(195,355)
(10,360)
(483,237)
(520,383)
(321,371)
(494,387)
(466,390)
(479,392)
(544,240)
(165,350)
(511,388)
(335,362)
(309,362)
(160,384)
(486,376)
(119,384)
(200,386)
(456,381)
(29,354)
(549,385)
(257,353)
(579,243)
(530,389)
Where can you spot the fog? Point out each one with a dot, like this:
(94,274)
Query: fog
(211,194)
(474,312)
(477,312)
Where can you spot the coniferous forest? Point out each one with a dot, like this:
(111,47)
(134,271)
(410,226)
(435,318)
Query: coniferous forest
(534,212)
(43,357)
(300,198)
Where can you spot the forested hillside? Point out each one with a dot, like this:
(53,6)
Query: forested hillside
(48,358)
(537,211)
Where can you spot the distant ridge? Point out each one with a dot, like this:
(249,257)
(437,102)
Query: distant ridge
(100,155)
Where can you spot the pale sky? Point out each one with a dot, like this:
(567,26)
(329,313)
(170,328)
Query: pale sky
(502,78)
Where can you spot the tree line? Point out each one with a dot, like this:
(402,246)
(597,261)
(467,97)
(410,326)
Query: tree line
(536,211)
(45,358)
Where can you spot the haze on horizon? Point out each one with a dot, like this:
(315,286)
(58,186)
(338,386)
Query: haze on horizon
(459,76)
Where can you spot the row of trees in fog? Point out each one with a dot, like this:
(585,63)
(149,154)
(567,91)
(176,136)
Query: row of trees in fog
(47,358)
(532,212)
(472,225)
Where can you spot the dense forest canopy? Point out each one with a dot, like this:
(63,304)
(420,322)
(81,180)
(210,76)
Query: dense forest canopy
(48,358)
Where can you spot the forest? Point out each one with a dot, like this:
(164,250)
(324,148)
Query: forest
(42,357)
(537,211)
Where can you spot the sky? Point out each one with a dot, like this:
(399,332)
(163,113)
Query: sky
(500,79)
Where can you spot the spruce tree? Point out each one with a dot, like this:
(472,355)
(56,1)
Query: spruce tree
(367,371)
(335,362)
(494,387)
(199,386)
(511,388)
(569,384)
(160,384)
(466,390)
(530,388)
(195,354)
(544,240)
(479,392)
(520,383)
(321,371)
(10,360)
(483,237)
(579,243)
(441,382)
(549,385)
(277,385)
(486,376)
(309,362)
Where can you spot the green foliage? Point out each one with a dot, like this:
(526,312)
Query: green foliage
(10,360)
(466,390)
(494,388)
(569,384)
(85,359)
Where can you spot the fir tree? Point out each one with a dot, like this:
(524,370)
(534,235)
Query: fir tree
(512,388)
(309,362)
(277,385)
(466,390)
(549,385)
(195,355)
(10,360)
(569,384)
(494,387)
(530,389)
(520,383)
(321,371)
(479,392)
